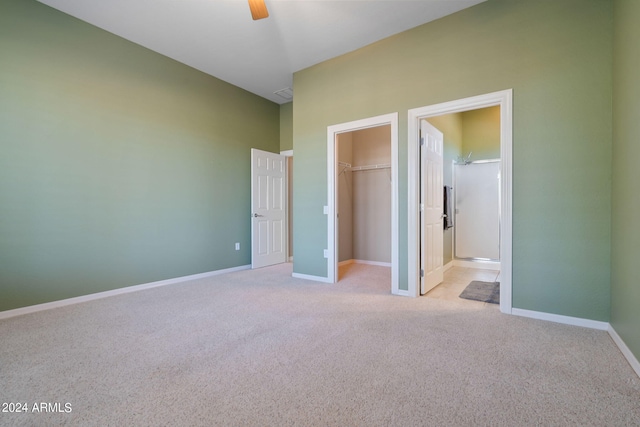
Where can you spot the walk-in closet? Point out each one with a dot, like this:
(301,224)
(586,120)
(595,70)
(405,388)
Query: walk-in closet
(364,196)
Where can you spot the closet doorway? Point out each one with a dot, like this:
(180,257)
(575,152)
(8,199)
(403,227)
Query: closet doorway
(363,194)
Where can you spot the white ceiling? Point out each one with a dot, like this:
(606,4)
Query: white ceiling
(219,37)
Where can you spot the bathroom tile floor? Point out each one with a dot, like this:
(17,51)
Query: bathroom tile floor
(456,279)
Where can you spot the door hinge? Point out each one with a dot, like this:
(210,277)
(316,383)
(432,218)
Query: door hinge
(421,273)
(421,141)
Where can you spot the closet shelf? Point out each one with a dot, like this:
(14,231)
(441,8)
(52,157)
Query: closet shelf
(369,167)
(346,166)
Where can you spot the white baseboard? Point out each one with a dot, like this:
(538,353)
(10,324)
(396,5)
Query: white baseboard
(558,318)
(362,261)
(378,263)
(310,277)
(635,364)
(483,265)
(84,298)
(402,293)
(447,266)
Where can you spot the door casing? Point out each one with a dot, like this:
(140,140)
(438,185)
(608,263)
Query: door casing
(504,99)
(330,209)
(289,155)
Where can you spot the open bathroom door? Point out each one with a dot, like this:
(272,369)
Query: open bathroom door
(431,207)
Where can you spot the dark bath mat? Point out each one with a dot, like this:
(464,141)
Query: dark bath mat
(482,291)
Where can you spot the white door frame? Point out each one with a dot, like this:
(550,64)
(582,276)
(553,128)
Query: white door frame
(504,100)
(332,238)
(287,153)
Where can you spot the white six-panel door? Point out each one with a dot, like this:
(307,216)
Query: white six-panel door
(268,208)
(431,207)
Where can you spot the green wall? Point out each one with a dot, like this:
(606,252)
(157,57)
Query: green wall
(118,166)
(556,56)
(286,126)
(625,286)
(481,133)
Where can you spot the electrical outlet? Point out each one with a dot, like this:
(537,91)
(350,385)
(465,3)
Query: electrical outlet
(237,246)
(326,253)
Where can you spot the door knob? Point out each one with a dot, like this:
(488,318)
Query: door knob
(255,215)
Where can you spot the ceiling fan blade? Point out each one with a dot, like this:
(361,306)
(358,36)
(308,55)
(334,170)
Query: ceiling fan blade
(258,9)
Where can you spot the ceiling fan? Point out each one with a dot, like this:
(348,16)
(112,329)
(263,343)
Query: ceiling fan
(258,9)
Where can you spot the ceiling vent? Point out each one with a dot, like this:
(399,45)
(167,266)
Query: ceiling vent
(286,93)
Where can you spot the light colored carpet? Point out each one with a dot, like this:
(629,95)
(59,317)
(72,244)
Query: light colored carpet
(260,348)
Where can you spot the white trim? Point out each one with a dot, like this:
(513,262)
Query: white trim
(310,277)
(378,263)
(635,364)
(447,266)
(504,100)
(479,264)
(558,318)
(332,241)
(120,291)
(364,261)
(287,189)
(287,153)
